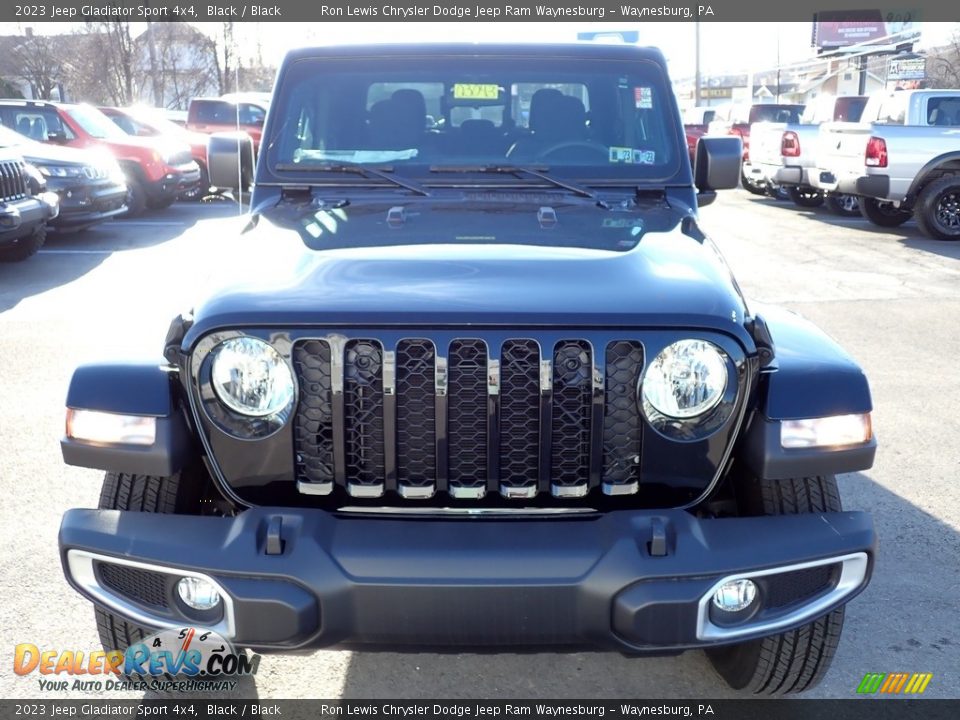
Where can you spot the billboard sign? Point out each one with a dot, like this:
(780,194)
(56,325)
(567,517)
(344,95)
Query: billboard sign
(834,29)
(907,69)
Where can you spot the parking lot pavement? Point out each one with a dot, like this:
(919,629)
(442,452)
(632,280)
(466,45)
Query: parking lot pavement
(891,298)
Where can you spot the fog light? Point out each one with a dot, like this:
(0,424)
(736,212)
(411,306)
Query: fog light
(198,593)
(735,595)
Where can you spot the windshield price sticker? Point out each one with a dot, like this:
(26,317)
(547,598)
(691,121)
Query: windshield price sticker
(475,91)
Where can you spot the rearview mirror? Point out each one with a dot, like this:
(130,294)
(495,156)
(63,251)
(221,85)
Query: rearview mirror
(717,166)
(230,160)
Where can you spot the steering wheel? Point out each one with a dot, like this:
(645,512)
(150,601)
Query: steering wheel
(589,146)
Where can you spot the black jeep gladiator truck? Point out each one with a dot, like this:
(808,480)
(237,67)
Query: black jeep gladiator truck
(478,379)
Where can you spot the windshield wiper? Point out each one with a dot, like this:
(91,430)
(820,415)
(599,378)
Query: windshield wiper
(342,167)
(537,172)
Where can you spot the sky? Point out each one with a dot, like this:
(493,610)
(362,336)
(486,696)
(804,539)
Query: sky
(763,44)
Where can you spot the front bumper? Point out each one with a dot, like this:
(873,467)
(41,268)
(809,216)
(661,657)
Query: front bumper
(176,180)
(20,218)
(630,581)
(82,205)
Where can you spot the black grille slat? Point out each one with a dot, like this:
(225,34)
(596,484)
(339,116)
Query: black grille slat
(144,586)
(313,428)
(622,421)
(12,183)
(572,397)
(425,416)
(467,417)
(519,414)
(363,413)
(416,414)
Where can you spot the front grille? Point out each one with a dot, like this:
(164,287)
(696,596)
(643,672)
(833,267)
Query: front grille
(144,586)
(13,185)
(467,417)
(790,587)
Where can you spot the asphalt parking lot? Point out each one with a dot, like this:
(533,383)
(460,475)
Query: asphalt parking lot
(891,298)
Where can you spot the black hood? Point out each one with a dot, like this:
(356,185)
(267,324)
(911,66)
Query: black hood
(543,259)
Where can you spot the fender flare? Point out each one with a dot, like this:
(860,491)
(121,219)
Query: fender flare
(811,377)
(919,181)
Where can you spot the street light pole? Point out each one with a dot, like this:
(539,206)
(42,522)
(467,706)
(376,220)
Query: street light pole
(696,76)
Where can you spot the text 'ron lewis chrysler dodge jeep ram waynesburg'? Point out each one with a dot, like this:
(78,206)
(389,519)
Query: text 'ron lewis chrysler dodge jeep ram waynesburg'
(478,379)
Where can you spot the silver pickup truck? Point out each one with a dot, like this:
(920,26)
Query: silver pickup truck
(902,158)
(783,154)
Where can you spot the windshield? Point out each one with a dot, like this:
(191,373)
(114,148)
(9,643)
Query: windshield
(595,119)
(95,123)
(9,138)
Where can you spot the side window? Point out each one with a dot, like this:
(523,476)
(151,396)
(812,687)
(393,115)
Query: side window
(892,110)
(215,112)
(251,114)
(124,123)
(944,111)
(39,124)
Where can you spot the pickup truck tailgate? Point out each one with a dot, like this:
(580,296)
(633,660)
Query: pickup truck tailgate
(765,141)
(841,148)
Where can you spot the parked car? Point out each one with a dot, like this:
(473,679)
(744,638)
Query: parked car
(231,112)
(783,154)
(157,170)
(902,158)
(148,122)
(25,208)
(90,184)
(696,122)
(736,119)
(469,402)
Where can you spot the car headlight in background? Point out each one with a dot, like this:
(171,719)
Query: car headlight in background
(687,379)
(251,378)
(60,171)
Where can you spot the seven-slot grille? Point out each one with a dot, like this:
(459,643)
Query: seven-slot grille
(467,417)
(13,185)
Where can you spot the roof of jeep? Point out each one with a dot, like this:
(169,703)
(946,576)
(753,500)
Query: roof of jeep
(592,51)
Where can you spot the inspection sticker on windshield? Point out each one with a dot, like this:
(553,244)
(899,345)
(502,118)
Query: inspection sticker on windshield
(632,156)
(475,91)
(643,97)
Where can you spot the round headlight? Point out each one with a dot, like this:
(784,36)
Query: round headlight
(687,379)
(251,378)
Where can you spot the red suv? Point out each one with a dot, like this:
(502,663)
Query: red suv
(157,170)
(149,122)
(232,112)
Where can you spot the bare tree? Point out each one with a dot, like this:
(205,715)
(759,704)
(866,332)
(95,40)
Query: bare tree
(186,64)
(943,65)
(39,63)
(113,41)
(226,59)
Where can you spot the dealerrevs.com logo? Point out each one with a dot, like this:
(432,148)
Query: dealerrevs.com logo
(187,659)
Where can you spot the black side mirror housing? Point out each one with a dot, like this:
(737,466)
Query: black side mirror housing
(230,160)
(717,166)
(57,136)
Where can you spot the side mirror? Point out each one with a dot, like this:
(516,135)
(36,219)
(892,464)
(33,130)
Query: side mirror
(57,136)
(230,160)
(717,166)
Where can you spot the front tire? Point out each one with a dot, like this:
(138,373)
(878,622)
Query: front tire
(180,493)
(796,660)
(882,213)
(136,199)
(25,247)
(804,197)
(938,209)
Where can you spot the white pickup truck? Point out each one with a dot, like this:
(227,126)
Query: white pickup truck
(784,154)
(902,159)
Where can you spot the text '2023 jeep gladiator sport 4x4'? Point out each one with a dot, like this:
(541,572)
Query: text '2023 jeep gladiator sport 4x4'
(480,382)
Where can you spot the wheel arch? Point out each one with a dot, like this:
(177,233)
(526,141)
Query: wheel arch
(945,164)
